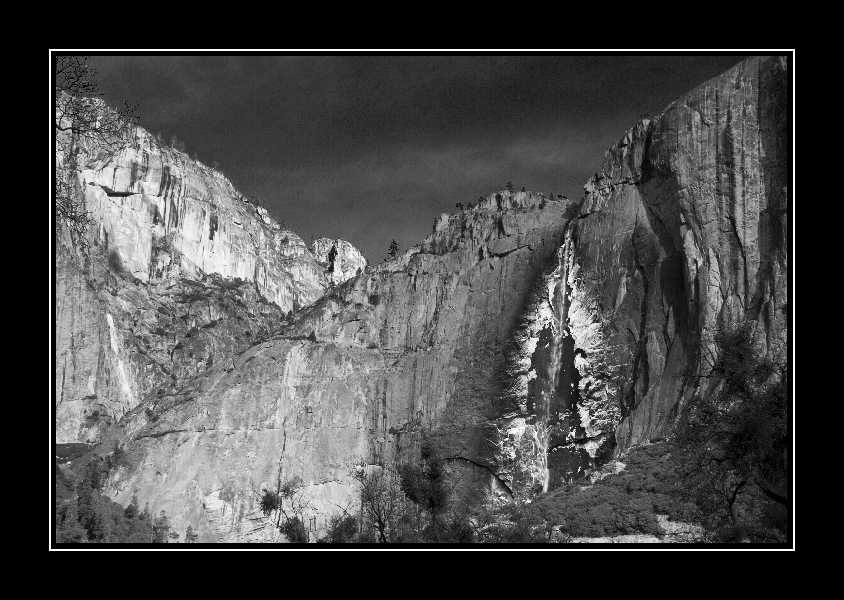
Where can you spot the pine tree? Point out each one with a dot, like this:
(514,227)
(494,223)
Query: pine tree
(426,484)
(69,531)
(161,528)
(190,536)
(132,510)
(394,249)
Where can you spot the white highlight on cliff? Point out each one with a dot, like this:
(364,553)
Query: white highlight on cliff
(121,373)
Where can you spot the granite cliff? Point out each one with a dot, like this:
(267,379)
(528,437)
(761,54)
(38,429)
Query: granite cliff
(180,271)
(532,337)
(684,229)
(414,344)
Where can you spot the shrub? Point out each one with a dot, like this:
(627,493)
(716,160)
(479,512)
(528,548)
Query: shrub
(342,529)
(294,530)
(620,504)
(269,502)
(733,433)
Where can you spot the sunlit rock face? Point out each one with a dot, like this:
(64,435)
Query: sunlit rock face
(172,248)
(684,229)
(121,342)
(340,259)
(416,343)
(167,214)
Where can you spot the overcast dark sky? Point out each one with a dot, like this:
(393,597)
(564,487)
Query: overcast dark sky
(373,148)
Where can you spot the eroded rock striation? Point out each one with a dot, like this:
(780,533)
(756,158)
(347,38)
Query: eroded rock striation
(173,249)
(166,214)
(684,229)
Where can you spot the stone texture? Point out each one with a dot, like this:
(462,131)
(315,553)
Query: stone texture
(414,343)
(167,214)
(173,248)
(340,259)
(684,229)
(120,340)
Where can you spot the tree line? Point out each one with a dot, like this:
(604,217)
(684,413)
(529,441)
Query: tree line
(83,515)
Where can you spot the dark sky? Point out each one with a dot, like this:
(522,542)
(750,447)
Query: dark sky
(374,148)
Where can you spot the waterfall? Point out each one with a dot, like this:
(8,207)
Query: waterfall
(545,438)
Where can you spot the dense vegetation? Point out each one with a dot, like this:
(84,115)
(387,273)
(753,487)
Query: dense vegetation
(732,438)
(85,515)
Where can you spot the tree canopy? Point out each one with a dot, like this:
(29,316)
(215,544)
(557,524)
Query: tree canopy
(733,434)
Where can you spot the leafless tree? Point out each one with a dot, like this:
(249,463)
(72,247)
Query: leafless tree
(83,122)
(382,499)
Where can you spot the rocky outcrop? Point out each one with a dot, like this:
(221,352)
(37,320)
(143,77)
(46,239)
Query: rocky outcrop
(340,259)
(684,229)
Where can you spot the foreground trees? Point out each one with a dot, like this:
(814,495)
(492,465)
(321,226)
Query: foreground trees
(85,516)
(288,508)
(405,502)
(733,437)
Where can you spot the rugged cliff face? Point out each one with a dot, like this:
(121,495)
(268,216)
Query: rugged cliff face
(340,259)
(180,272)
(684,229)
(166,214)
(415,343)
(531,337)
(120,340)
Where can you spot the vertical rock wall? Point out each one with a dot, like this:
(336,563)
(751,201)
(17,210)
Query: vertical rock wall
(172,249)
(416,343)
(684,229)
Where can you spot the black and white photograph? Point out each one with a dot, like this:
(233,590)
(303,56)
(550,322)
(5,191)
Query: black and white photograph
(421,299)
